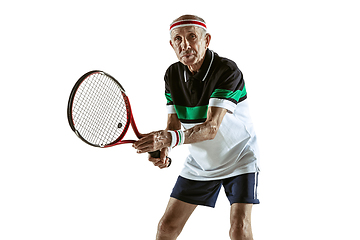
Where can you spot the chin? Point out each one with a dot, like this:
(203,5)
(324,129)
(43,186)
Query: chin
(189,61)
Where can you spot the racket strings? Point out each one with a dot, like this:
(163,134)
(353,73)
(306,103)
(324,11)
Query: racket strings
(99,110)
(96,127)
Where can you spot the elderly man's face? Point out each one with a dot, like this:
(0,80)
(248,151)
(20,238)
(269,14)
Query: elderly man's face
(190,44)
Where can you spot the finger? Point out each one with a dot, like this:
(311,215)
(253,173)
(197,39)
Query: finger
(163,156)
(165,165)
(141,142)
(162,165)
(149,147)
(153,160)
(147,144)
(158,164)
(146,139)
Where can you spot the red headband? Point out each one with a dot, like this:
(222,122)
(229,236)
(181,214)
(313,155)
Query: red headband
(189,22)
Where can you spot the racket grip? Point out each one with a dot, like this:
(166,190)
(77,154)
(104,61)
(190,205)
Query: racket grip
(155,154)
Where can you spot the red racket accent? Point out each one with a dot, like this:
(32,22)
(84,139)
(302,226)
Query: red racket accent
(99,111)
(132,122)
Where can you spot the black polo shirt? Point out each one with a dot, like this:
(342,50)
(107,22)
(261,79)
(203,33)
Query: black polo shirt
(219,82)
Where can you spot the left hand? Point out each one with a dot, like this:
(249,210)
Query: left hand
(153,141)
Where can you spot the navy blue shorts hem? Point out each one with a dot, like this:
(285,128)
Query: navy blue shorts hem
(191,201)
(244,200)
(238,189)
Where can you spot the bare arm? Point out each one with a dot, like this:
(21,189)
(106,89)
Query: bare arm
(162,139)
(208,129)
(173,123)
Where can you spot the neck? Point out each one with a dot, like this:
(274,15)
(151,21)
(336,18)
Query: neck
(196,67)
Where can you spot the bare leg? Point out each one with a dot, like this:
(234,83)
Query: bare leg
(240,221)
(176,215)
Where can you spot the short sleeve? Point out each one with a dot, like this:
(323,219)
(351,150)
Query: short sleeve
(169,102)
(229,91)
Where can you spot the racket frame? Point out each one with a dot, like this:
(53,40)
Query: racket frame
(130,119)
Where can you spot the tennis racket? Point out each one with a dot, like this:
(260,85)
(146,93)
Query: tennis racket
(99,111)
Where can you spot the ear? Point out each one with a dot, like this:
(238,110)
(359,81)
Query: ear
(207,39)
(171,44)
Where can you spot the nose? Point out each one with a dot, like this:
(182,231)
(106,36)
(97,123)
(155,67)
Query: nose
(185,45)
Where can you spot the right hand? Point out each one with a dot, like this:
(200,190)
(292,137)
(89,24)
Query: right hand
(163,161)
(153,141)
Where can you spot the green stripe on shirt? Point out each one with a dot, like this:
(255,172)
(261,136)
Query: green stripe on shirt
(223,93)
(191,113)
(168,97)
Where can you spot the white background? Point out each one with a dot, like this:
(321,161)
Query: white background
(300,61)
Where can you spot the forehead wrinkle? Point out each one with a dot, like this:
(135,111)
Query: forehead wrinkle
(186,29)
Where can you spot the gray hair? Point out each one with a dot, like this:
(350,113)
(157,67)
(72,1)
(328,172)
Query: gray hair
(191,17)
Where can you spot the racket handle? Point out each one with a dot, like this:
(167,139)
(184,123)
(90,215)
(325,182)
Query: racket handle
(155,154)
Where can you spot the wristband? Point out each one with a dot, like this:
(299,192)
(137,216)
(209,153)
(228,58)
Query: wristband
(177,138)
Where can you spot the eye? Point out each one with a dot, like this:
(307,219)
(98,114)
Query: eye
(193,36)
(177,39)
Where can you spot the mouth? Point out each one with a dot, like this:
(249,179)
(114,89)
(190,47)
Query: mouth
(187,54)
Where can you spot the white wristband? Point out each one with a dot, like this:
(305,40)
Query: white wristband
(177,138)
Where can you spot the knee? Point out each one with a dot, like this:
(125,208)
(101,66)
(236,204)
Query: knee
(241,231)
(168,228)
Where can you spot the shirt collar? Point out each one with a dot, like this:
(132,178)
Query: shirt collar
(204,69)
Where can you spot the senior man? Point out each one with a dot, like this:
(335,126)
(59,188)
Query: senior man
(206,95)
